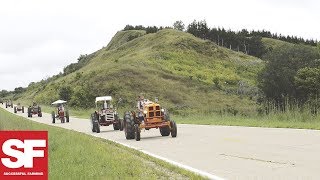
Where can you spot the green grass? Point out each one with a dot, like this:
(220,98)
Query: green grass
(270,44)
(74,155)
(185,72)
(275,120)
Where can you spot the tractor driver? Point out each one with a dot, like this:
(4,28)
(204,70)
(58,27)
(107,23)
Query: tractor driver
(60,108)
(140,105)
(104,107)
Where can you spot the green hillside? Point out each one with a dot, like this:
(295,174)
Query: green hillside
(270,44)
(185,72)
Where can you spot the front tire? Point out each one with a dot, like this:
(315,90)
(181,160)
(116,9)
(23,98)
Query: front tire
(164,131)
(121,124)
(137,132)
(174,130)
(117,125)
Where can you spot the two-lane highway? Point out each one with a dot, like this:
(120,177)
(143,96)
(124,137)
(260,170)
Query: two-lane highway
(223,151)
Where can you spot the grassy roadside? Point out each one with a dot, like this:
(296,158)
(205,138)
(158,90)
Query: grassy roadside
(294,119)
(74,155)
(277,120)
(290,119)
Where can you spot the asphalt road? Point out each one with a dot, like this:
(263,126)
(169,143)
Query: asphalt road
(224,151)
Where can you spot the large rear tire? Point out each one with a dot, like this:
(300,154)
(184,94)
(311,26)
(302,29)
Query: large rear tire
(93,123)
(166,115)
(67,116)
(29,112)
(53,117)
(39,112)
(15,110)
(22,109)
(128,125)
(174,130)
(98,127)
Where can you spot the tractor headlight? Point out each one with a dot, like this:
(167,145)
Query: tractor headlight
(145,111)
(162,110)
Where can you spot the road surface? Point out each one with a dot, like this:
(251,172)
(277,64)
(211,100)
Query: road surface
(223,151)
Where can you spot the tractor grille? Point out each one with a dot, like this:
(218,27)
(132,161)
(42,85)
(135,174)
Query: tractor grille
(109,117)
(154,111)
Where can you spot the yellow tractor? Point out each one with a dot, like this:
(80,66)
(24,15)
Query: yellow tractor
(153,117)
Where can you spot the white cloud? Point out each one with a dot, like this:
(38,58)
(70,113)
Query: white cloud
(40,37)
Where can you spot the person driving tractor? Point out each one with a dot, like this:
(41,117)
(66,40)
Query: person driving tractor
(60,109)
(140,105)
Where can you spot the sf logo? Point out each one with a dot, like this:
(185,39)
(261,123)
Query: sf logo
(25,158)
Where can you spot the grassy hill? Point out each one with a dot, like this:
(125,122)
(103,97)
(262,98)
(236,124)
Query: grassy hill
(270,44)
(188,74)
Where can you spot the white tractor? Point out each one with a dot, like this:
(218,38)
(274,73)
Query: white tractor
(105,115)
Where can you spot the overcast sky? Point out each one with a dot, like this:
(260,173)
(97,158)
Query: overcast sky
(40,37)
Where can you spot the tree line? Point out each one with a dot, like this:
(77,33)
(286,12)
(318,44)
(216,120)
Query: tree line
(148,29)
(291,78)
(248,42)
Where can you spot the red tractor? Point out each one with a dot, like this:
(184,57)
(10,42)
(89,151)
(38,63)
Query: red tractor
(18,108)
(35,109)
(105,116)
(61,113)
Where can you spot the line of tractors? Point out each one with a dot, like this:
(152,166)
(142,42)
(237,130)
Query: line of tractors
(151,116)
